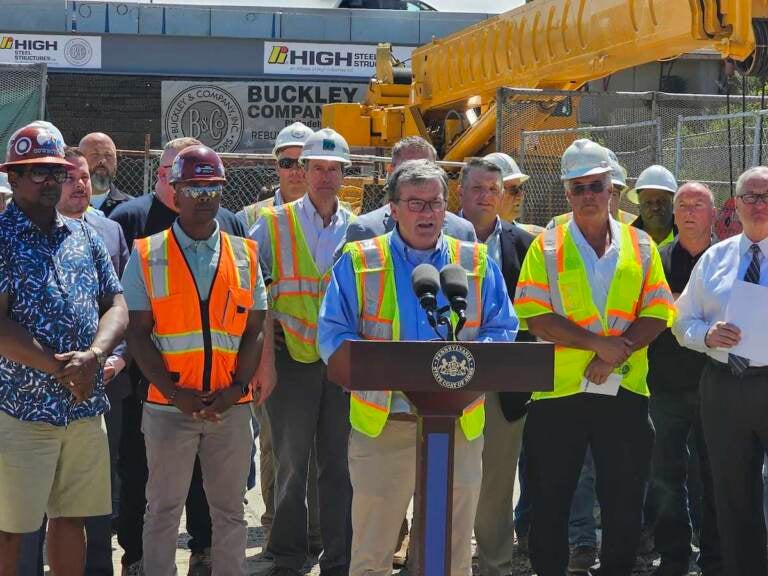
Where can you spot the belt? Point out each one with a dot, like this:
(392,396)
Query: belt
(403,417)
(751,372)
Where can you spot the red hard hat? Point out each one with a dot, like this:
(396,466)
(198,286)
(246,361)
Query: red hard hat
(197,163)
(34,144)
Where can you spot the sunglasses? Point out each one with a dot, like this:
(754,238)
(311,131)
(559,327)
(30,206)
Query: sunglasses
(594,187)
(287,163)
(514,190)
(210,192)
(40,173)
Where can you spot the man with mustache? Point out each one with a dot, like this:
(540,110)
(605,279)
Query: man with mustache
(596,288)
(654,191)
(100,152)
(61,314)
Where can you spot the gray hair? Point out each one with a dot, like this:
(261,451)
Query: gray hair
(479,164)
(416,172)
(179,144)
(751,173)
(412,142)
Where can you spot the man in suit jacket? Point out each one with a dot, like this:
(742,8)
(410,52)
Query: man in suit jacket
(481,192)
(380,220)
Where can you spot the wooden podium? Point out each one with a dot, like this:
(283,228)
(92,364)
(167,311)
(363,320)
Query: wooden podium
(440,379)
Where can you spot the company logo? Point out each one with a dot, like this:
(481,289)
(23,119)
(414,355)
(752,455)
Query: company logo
(453,366)
(208,113)
(6,42)
(278,55)
(22,145)
(78,52)
(329,144)
(204,170)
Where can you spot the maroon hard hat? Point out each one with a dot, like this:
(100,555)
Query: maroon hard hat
(197,163)
(34,144)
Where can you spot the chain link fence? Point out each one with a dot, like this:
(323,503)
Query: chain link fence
(22,97)
(718,137)
(252,177)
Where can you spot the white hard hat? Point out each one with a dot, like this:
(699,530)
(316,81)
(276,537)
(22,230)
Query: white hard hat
(655,178)
(618,173)
(5,187)
(584,158)
(509,168)
(326,144)
(294,135)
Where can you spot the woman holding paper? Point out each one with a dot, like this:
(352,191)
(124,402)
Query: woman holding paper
(719,313)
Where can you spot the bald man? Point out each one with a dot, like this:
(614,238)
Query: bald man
(100,153)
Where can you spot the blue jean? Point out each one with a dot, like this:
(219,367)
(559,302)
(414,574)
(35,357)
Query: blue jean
(582,528)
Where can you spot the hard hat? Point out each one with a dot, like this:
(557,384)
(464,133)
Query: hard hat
(35,145)
(584,158)
(655,178)
(5,187)
(618,173)
(197,162)
(294,135)
(509,168)
(325,144)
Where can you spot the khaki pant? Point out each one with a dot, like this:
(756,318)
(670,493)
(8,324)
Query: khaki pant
(494,523)
(383,475)
(173,441)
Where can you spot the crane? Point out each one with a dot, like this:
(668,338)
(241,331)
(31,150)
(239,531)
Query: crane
(447,95)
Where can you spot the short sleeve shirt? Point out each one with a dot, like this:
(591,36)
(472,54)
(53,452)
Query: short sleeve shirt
(54,282)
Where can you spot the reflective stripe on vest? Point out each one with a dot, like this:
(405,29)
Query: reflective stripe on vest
(570,295)
(297,286)
(379,319)
(198,340)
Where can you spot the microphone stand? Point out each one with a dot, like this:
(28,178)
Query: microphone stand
(445,320)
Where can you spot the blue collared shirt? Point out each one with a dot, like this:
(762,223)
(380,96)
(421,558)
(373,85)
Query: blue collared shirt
(54,283)
(321,240)
(493,242)
(705,298)
(600,271)
(339,316)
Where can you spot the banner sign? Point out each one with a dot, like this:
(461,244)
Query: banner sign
(300,58)
(55,51)
(246,116)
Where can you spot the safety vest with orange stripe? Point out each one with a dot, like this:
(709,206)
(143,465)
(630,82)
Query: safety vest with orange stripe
(623,217)
(380,320)
(198,339)
(297,287)
(554,279)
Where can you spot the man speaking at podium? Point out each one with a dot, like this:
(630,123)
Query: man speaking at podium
(370,297)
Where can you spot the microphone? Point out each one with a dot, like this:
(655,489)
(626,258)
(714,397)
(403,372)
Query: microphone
(425,281)
(453,281)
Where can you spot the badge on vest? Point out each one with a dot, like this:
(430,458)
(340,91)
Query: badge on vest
(453,366)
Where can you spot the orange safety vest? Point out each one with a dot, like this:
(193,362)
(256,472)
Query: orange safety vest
(198,339)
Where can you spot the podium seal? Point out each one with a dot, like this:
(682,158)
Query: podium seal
(453,366)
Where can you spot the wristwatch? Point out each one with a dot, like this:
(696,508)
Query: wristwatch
(244,387)
(101,358)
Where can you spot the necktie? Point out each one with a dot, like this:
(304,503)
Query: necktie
(738,363)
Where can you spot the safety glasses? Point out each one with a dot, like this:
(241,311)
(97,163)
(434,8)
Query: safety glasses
(211,191)
(288,163)
(39,173)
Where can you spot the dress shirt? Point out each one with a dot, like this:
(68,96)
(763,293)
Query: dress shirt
(493,242)
(705,298)
(321,240)
(339,312)
(600,271)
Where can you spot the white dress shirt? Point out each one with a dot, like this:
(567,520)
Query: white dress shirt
(600,271)
(705,298)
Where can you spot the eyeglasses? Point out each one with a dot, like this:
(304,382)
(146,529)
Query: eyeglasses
(288,163)
(754,198)
(514,190)
(594,187)
(39,173)
(416,205)
(209,192)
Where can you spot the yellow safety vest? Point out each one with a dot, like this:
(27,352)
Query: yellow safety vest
(624,217)
(297,287)
(380,320)
(554,279)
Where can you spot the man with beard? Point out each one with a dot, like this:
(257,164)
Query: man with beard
(100,152)
(61,314)
(654,190)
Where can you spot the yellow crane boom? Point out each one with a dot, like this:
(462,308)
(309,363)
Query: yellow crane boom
(545,44)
